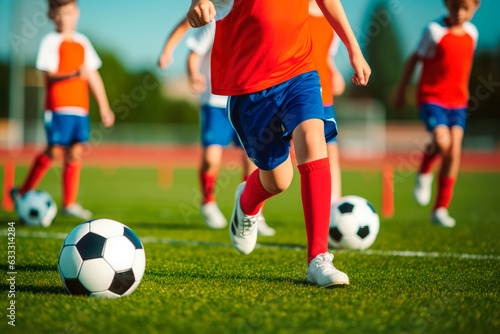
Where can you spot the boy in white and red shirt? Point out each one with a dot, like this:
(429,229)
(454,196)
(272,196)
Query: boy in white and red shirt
(70,65)
(261,59)
(446,52)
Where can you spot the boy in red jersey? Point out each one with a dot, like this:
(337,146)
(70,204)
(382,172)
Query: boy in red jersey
(70,65)
(261,60)
(216,131)
(325,46)
(446,51)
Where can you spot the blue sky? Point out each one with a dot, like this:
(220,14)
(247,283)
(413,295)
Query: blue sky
(135,31)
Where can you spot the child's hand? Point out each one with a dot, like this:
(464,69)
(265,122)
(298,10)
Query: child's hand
(200,13)
(399,100)
(165,61)
(107,117)
(362,69)
(198,83)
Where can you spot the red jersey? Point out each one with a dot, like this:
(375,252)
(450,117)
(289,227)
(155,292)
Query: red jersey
(63,56)
(259,44)
(325,45)
(447,62)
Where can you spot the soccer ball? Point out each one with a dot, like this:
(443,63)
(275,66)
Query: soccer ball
(101,258)
(37,208)
(354,224)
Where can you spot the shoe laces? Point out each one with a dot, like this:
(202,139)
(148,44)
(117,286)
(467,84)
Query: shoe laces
(249,224)
(325,261)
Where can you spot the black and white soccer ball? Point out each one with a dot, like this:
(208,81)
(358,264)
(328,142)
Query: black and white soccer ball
(101,258)
(37,208)
(354,224)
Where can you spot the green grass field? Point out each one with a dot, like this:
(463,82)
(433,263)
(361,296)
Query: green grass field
(210,288)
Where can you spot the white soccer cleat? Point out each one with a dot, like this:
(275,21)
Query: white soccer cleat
(264,229)
(441,217)
(77,211)
(243,228)
(212,215)
(321,271)
(423,188)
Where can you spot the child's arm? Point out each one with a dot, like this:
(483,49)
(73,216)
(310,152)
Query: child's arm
(399,99)
(197,81)
(175,37)
(200,13)
(334,13)
(338,83)
(97,88)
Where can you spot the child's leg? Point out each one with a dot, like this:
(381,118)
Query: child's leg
(209,169)
(71,173)
(248,166)
(429,157)
(262,184)
(314,167)
(449,168)
(40,166)
(333,157)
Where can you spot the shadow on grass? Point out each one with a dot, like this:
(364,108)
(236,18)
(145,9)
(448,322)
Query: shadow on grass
(45,290)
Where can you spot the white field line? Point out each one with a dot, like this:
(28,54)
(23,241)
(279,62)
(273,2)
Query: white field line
(168,241)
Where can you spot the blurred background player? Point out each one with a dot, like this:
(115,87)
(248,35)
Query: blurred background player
(261,60)
(325,45)
(446,52)
(216,130)
(70,64)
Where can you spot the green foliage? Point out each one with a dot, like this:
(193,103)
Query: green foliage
(203,289)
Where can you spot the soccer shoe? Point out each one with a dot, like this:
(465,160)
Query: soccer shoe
(262,227)
(243,228)
(76,210)
(212,215)
(423,188)
(321,271)
(16,197)
(441,217)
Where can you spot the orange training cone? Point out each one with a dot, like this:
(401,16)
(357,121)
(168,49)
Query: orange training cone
(387,191)
(8,183)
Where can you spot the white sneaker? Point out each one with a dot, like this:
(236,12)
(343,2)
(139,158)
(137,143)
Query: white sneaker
(243,228)
(322,272)
(212,215)
(76,210)
(423,188)
(441,217)
(262,227)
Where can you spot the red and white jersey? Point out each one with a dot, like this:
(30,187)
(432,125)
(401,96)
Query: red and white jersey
(201,43)
(325,45)
(259,44)
(447,61)
(62,56)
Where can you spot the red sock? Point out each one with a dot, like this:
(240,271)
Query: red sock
(254,195)
(71,182)
(427,162)
(316,191)
(37,172)
(446,185)
(207,182)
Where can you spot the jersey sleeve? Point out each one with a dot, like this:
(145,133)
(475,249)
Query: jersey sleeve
(472,31)
(48,54)
(426,44)
(92,60)
(201,42)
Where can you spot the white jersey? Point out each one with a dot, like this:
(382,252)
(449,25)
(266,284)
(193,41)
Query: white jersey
(201,43)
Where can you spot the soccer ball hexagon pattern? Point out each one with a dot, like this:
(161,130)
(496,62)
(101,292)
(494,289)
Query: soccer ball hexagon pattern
(37,208)
(354,224)
(101,258)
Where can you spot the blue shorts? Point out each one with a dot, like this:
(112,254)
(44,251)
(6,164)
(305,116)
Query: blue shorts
(330,110)
(434,115)
(216,128)
(65,130)
(266,119)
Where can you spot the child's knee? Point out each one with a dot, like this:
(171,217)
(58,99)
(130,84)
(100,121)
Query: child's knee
(55,152)
(74,153)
